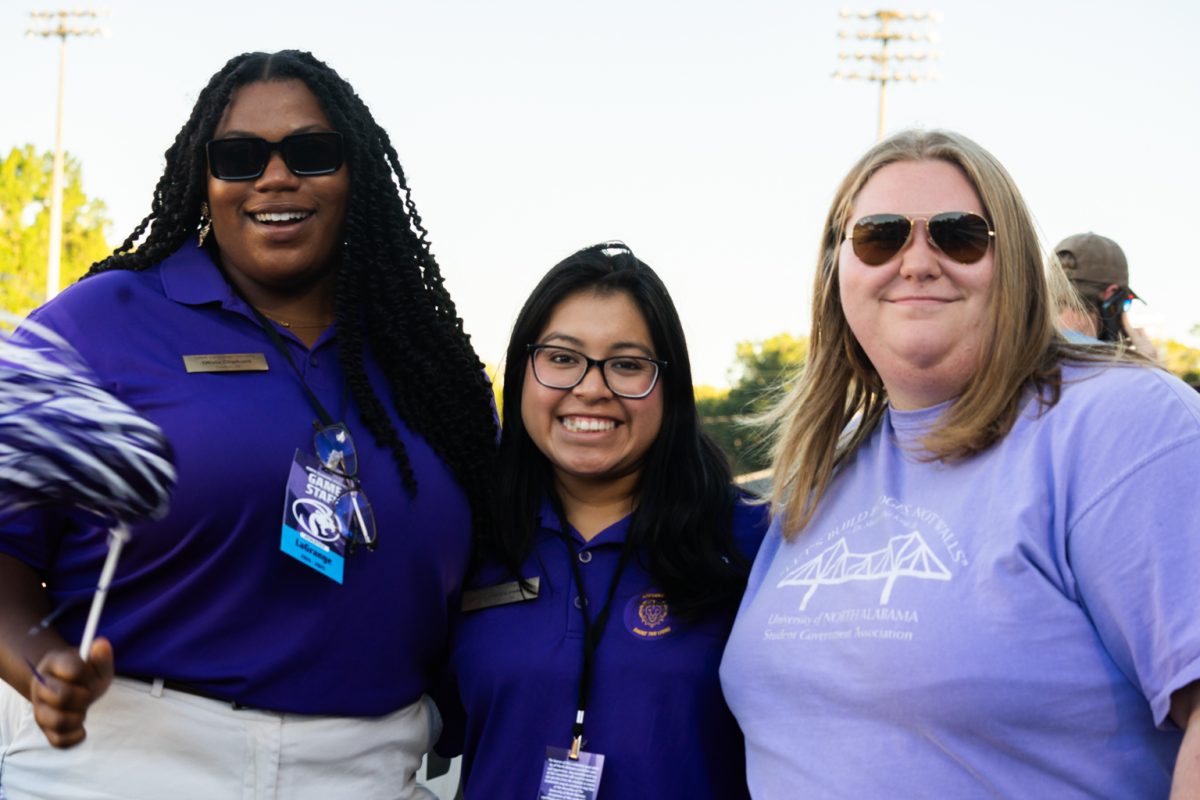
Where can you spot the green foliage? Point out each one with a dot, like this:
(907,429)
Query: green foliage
(25,178)
(762,373)
(496,375)
(766,367)
(1180,359)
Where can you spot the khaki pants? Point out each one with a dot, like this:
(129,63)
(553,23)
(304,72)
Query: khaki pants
(143,745)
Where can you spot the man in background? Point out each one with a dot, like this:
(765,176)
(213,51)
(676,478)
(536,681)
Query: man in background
(1099,273)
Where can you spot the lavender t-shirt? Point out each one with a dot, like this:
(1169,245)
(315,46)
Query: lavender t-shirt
(1008,626)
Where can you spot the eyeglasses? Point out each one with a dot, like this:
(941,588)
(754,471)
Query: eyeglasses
(246,158)
(355,518)
(962,235)
(631,377)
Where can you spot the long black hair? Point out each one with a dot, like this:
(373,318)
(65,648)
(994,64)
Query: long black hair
(389,295)
(682,524)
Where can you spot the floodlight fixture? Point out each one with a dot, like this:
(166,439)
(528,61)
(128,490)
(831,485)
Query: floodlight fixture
(63,24)
(886,32)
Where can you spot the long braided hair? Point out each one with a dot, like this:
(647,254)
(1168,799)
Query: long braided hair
(389,295)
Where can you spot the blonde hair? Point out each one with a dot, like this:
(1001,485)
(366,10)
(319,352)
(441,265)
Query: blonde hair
(840,399)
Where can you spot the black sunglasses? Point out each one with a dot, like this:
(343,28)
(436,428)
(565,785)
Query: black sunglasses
(245,158)
(962,235)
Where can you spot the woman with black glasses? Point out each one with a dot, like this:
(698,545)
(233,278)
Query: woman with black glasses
(280,315)
(588,645)
(981,579)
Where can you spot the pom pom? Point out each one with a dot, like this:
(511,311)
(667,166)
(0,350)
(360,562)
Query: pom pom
(66,441)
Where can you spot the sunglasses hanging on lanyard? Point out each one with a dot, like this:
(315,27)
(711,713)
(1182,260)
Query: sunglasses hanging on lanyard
(327,515)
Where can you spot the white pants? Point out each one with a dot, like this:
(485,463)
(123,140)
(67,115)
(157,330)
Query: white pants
(147,746)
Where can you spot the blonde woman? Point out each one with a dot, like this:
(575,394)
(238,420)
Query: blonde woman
(980,581)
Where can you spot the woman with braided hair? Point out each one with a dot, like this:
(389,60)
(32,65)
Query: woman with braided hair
(280,315)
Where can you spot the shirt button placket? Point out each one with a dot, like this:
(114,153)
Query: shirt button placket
(575,625)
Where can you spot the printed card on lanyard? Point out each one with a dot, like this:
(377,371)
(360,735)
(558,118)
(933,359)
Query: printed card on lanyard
(570,776)
(311,533)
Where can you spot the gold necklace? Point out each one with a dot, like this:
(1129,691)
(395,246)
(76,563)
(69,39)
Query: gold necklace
(290,325)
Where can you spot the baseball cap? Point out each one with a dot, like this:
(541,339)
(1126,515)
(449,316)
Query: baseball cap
(1093,258)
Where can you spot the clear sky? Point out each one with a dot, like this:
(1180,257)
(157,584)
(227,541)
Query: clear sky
(708,136)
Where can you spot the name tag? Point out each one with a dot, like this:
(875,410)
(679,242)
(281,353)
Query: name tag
(501,594)
(226,362)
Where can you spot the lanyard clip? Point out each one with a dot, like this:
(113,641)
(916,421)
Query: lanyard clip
(576,736)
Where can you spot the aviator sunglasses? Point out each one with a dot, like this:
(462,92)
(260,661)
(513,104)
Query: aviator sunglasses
(245,158)
(962,235)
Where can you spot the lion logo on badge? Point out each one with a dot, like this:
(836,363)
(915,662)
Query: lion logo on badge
(315,520)
(648,616)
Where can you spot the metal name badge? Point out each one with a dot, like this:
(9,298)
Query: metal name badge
(501,594)
(226,362)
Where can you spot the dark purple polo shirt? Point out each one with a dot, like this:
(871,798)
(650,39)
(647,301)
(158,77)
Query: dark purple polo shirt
(205,596)
(656,710)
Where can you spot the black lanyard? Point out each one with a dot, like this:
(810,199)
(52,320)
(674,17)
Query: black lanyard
(281,346)
(593,629)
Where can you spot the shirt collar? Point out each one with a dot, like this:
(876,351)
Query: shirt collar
(909,427)
(191,277)
(614,534)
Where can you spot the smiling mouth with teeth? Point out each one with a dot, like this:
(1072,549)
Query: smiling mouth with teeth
(580,424)
(282,216)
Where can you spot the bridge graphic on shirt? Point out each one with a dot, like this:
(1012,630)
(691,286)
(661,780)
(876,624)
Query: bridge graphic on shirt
(905,556)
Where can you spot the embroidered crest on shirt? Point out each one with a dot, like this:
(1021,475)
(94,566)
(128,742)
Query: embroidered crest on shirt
(647,616)
(854,580)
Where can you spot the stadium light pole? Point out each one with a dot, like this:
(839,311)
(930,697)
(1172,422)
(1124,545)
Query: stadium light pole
(63,24)
(890,29)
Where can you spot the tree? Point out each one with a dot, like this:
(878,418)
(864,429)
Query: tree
(25,180)
(762,373)
(765,369)
(496,376)
(1180,359)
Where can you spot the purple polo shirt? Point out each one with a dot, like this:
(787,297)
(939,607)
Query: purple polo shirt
(205,596)
(656,710)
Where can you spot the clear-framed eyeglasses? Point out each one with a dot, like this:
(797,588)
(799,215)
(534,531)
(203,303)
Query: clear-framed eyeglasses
(352,510)
(631,377)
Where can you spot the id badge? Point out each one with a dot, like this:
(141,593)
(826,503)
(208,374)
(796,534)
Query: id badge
(311,534)
(564,778)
